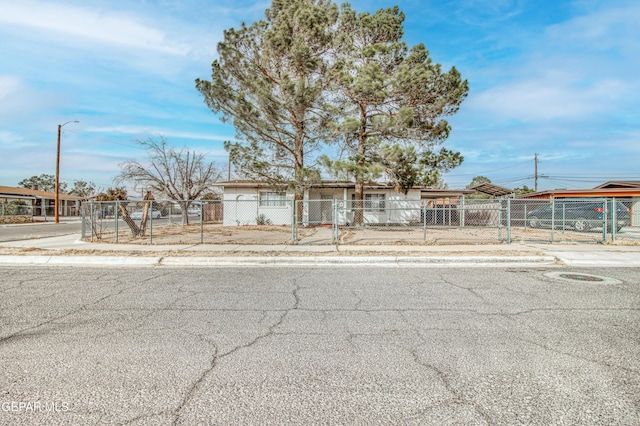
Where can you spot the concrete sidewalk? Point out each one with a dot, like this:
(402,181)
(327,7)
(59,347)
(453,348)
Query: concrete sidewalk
(69,250)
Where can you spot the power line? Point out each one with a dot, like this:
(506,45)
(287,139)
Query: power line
(488,171)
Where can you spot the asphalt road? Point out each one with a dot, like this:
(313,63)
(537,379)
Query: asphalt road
(50,229)
(38,230)
(345,345)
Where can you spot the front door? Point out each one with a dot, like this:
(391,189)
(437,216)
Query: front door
(326,208)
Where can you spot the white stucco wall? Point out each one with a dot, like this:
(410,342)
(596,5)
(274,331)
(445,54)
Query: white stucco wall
(399,208)
(242,207)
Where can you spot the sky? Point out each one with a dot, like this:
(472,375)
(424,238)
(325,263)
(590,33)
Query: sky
(555,78)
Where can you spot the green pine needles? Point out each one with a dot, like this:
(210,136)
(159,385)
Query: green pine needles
(313,74)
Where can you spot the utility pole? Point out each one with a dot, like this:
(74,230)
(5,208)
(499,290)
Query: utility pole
(535,173)
(57,199)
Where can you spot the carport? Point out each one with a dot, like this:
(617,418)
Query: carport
(628,192)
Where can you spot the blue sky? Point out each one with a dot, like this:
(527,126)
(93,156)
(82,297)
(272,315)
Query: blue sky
(556,78)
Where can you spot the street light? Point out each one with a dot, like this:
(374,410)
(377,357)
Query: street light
(57,202)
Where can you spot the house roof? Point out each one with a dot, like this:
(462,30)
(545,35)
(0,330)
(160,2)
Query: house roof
(341,184)
(620,184)
(323,184)
(438,193)
(578,193)
(9,192)
(492,189)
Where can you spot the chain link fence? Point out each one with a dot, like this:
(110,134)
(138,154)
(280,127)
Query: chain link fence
(369,222)
(15,209)
(568,220)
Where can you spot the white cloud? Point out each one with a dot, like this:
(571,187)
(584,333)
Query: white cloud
(576,70)
(11,139)
(614,28)
(8,85)
(550,98)
(486,12)
(19,102)
(85,23)
(152,131)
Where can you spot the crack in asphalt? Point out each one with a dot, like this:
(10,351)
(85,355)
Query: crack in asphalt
(581,358)
(214,363)
(461,287)
(271,331)
(84,306)
(458,397)
(145,417)
(532,310)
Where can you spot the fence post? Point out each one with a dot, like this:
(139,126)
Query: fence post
(336,222)
(151,222)
(201,221)
(424,221)
(499,221)
(116,215)
(508,220)
(84,218)
(294,208)
(553,219)
(525,216)
(604,221)
(564,216)
(92,215)
(614,219)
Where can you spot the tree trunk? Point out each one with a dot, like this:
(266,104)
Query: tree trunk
(358,205)
(145,214)
(135,231)
(298,205)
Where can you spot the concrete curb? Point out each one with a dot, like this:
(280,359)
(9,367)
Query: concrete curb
(263,261)
(80,260)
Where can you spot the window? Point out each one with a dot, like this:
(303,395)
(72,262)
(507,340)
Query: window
(273,199)
(372,202)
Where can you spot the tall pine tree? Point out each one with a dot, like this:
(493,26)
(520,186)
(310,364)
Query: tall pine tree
(311,74)
(392,102)
(270,82)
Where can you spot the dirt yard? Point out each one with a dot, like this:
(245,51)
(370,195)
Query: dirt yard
(277,235)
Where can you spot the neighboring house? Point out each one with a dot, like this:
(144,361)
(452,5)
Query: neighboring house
(43,202)
(627,192)
(251,202)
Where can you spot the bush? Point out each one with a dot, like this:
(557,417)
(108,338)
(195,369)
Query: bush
(263,220)
(15,208)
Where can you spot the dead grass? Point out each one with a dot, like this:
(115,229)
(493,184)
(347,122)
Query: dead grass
(279,235)
(5,251)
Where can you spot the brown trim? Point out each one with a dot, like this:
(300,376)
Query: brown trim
(579,193)
(8,191)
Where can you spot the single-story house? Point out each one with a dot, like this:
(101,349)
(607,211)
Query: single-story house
(43,202)
(627,192)
(249,202)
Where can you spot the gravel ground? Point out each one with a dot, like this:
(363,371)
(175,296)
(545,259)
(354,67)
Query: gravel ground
(6,251)
(269,235)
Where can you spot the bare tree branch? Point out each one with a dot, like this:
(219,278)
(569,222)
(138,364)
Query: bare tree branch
(179,175)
